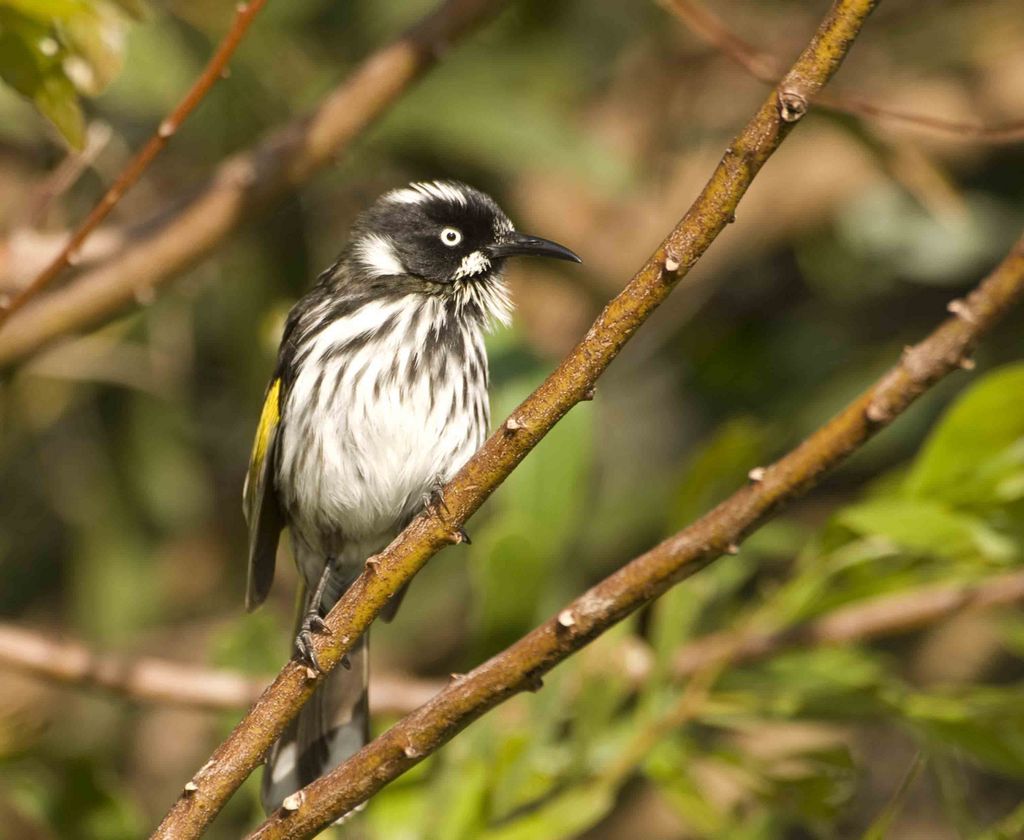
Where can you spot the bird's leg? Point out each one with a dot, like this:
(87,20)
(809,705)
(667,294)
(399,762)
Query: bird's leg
(433,500)
(312,621)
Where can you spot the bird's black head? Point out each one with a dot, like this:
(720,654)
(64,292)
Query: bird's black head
(451,236)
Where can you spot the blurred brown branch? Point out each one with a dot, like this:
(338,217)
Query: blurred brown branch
(887,615)
(154,680)
(573,381)
(151,679)
(712,29)
(245,13)
(242,185)
(521,666)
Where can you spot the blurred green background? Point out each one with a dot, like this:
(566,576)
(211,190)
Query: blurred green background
(123,452)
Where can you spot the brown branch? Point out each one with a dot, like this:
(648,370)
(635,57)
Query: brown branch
(245,13)
(887,615)
(152,680)
(241,186)
(573,381)
(712,30)
(521,666)
(148,679)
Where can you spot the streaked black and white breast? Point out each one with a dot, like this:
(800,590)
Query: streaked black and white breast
(386,366)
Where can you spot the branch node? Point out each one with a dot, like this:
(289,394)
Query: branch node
(292,803)
(144,295)
(455,677)
(967,363)
(534,682)
(589,393)
(514,424)
(191,787)
(166,129)
(372,563)
(877,411)
(311,673)
(459,536)
(409,751)
(567,619)
(671,262)
(757,474)
(792,105)
(732,548)
(962,310)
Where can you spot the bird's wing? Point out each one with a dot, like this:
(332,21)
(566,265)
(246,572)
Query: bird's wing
(260,503)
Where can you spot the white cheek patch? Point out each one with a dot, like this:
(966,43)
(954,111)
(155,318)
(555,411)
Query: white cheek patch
(378,254)
(471,265)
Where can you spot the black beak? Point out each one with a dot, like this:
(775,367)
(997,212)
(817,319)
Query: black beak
(519,244)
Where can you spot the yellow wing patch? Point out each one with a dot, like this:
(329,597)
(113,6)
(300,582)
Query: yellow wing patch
(268,423)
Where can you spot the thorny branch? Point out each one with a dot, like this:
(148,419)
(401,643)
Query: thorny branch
(573,381)
(708,26)
(150,679)
(521,666)
(159,249)
(245,13)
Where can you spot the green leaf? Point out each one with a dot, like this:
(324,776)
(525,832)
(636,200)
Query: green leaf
(879,828)
(977,442)
(47,10)
(928,527)
(96,42)
(50,50)
(56,100)
(669,766)
(985,722)
(565,816)
(31,62)
(718,468)
(830,683)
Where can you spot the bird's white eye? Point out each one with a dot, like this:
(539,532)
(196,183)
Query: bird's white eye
(451,236)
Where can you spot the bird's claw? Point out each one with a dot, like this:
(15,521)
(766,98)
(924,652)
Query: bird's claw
(434,499)
(311,623)
(304,648)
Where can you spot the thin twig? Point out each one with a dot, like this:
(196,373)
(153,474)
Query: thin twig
(244,15)
(159,249)
(150,679)
(65,175)
(521,666)
(572,382)
(760,65)
(887,615)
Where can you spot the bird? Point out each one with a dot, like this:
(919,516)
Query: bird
(378,396)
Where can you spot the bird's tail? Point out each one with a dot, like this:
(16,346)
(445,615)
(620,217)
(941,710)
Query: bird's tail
(332,726)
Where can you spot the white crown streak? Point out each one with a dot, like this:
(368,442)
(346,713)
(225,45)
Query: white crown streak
(427,190)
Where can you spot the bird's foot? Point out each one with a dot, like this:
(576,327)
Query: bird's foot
(311,623)
(433,499)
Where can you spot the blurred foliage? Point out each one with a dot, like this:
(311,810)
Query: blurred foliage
(122,454)
(53,50)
